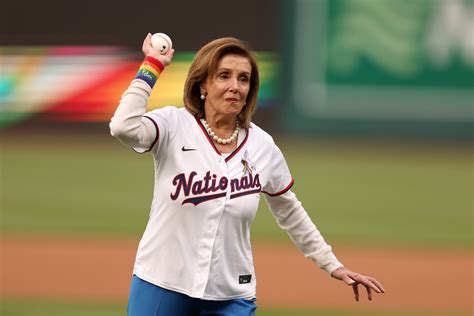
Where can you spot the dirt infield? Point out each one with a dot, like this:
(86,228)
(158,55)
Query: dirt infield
(99,269)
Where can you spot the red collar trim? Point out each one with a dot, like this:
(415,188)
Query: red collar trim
(207,136)
(238,148)
(214,146)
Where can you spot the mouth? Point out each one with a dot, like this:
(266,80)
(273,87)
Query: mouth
(231,100)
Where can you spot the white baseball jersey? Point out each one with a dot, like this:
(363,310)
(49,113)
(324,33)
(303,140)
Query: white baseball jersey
(197,240)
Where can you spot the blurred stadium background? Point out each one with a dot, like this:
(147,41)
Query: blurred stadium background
(370,100)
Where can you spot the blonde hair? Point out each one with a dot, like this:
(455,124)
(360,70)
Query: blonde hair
(205,64)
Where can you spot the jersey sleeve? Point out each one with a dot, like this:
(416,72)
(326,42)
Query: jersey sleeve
(162,121)
(130,125)
(293,218)
(280,179)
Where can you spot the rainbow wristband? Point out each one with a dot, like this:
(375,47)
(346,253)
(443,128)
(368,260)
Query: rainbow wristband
(150,70)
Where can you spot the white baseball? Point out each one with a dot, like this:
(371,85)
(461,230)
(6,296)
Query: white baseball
(161,42)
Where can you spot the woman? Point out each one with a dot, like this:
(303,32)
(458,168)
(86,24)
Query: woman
(211,164)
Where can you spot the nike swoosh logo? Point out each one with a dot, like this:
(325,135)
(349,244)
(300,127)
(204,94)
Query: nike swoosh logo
(187,149)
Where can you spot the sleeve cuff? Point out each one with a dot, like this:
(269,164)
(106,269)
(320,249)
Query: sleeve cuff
(325,259)
(141,84)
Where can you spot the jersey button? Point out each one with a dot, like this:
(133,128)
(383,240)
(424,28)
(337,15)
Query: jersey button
(219,203)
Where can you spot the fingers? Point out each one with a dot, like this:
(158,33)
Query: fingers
(148,50)
(368,282)
(166,58)
(146,42)
(355,289)
(354,279)
(377,284)
(365,281)
(369,293)
(170,53)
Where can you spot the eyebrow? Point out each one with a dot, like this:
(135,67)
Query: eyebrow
(228,70)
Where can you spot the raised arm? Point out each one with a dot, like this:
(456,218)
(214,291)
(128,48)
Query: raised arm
(129,125)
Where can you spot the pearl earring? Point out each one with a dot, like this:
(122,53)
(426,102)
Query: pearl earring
(203,96)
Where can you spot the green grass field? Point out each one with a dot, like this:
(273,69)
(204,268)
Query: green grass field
(357,193)
(50,308)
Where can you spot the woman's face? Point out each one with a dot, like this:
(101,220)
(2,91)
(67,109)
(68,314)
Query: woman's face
(228,87)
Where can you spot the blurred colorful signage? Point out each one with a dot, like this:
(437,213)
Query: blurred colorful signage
(380,60)
(76,83)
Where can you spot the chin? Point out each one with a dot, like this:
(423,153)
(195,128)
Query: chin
(234,113)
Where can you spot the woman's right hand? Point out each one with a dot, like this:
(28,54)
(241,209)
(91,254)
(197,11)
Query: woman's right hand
(148,50)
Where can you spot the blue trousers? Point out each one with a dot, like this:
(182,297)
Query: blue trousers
(147,299)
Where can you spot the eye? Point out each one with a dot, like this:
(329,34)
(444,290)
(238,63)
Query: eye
(223,76)
(244,78)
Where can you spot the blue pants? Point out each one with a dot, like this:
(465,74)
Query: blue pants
(147,299)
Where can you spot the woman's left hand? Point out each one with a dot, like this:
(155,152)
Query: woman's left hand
(354,279)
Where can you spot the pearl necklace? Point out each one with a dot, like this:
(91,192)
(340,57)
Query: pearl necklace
(219,140)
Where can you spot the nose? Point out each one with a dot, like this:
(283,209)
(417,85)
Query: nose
(234,85)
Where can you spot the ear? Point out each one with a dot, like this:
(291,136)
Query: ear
(203,88)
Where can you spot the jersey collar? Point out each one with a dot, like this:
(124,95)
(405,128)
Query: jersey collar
(232,154)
